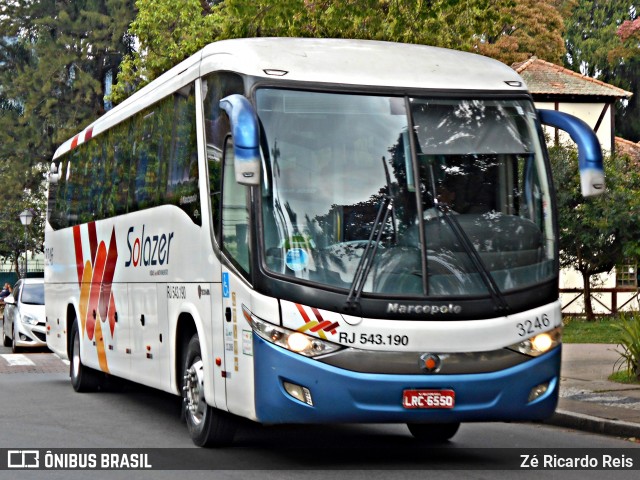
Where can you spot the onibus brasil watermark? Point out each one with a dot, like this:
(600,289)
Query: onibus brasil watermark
(77,460)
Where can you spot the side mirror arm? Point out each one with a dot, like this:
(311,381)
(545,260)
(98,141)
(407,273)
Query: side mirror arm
(589,151)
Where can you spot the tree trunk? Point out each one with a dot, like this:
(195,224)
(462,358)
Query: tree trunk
(16,265)
(588,307)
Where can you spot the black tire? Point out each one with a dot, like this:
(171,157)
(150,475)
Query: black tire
(6,341)
(83,379)
(208,426)
(433,432)
(14,347)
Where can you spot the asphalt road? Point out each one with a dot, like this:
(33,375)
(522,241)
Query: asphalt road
(39,410)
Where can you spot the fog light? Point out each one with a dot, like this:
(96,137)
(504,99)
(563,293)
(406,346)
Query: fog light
(538,391)
(298,392)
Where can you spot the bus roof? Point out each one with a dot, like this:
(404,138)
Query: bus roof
(363,63)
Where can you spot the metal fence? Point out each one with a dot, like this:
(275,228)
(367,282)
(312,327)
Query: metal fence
(32,266)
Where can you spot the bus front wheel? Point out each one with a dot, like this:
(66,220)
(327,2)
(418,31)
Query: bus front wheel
(433,432)
(208,426)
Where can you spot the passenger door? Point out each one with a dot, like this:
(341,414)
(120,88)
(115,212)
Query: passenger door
(236,291)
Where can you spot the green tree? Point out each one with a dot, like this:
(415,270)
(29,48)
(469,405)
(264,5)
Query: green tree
(12,232)
(55,59)
(169,31)
(597,233)
(591,27)
(595,48)
(628,56)
(536,28)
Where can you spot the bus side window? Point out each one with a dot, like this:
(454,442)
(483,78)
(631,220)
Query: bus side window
(235,213)
(95,168)
(75,190)
(146,161)
(57,198)
(182,163)
(215,186)
(119,174)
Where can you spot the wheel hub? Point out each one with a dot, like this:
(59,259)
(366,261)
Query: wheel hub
(194,392)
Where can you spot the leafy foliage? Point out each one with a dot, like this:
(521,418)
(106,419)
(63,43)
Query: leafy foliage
(170,31)
(55,56)
(536,29)
(602,41)
(595,234)
(628,332)
(167,32)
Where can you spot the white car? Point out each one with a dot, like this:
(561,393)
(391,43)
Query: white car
(24,318)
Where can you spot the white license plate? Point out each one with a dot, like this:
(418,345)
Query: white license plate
(428,399)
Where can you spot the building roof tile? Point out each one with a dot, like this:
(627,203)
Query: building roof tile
(546,78)
(627,147)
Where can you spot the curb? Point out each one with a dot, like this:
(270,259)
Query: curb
(589,423)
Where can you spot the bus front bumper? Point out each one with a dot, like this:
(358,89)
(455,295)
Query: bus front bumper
(343,396)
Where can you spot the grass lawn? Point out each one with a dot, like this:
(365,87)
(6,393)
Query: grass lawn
(577,330)
(622,376)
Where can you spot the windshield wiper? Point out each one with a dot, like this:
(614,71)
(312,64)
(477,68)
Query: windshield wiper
(366,261)
(496,295)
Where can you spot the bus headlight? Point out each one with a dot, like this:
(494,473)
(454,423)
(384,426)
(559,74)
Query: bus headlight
(291,340)
(540,343)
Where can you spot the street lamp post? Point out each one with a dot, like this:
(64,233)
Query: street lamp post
(25,219)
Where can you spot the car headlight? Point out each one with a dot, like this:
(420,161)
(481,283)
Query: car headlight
(297,342)
(29,319)
(540,343)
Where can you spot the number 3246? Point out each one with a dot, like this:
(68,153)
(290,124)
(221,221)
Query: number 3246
(529,327)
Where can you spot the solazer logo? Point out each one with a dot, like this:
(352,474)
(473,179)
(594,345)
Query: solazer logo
(148,250)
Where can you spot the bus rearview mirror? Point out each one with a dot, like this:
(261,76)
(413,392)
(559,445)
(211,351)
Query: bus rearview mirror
(246,139)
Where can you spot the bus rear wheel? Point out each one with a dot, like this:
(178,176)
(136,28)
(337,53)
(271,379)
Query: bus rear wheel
(83,379)
(433,432)
(208,426)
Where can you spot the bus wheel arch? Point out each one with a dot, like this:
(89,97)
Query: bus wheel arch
(185,329)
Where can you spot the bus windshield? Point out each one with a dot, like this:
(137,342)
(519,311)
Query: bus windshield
(416,196)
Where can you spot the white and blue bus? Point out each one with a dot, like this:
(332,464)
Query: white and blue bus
(313,231)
